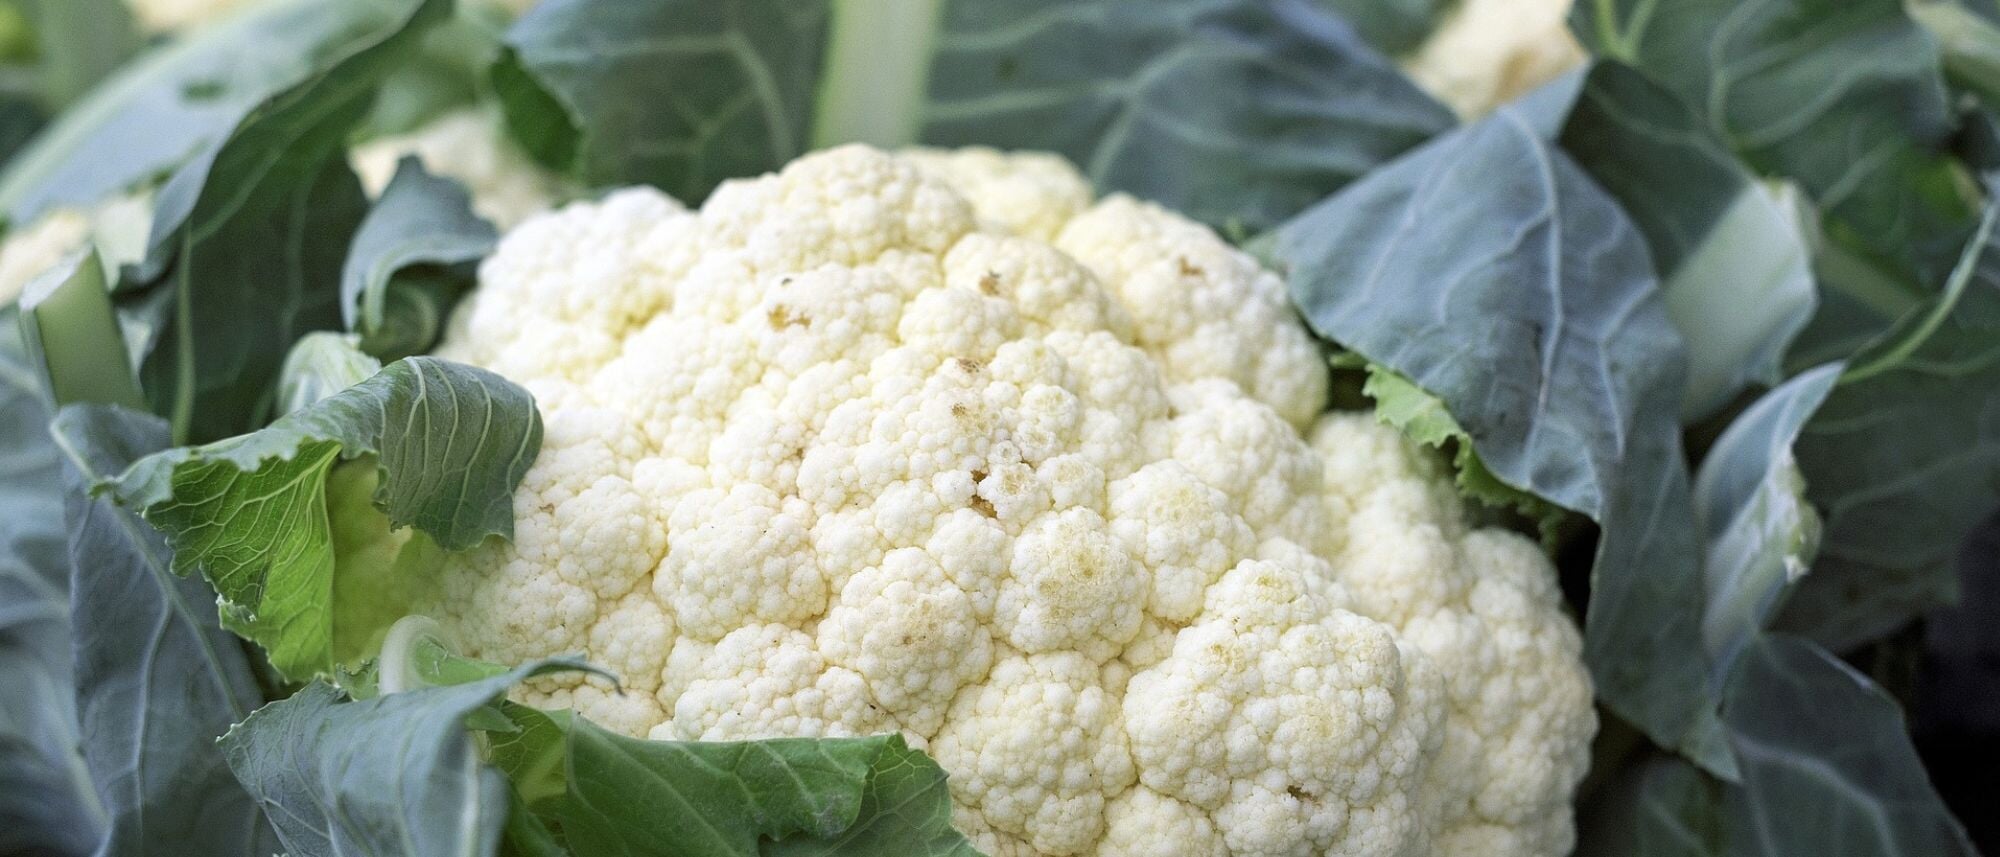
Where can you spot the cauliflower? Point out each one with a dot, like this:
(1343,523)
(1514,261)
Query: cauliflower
(937,443)
(1488,52)
(469,145)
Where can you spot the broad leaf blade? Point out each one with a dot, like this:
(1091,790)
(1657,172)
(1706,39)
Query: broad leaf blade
(1733,262)
(252,513)
(420,220)
(398,774)
(47,802)
(1827,763)
(157,680)
(250,235)
(179,99)
(1236,113)
(679,94)
(1488,269)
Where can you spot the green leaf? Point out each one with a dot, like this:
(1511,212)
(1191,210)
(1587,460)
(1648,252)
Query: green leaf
(1236,112)
(79,42)
(679,94)
(157,681)
(1239,114)
(47,802)
(250,235)
(1423,418)
(1827,768)
(1490,270)
(1662,807)
(181,99)
(397,774)
(1781,82)
(846,796)
(1733,261)
(1827,763)
(420,221)
(1392,26)
(256,513)
(1761,533)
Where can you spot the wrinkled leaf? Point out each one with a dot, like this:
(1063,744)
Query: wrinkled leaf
(830,796)
(421,220)
(397,774)
(1423,418)
(250,235)
(157,680)
(320,365)
(1488,269)
(253,512)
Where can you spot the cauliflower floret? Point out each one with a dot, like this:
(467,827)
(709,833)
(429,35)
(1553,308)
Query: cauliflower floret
(470,145)
(165,16)
(935,444)
(1488,52)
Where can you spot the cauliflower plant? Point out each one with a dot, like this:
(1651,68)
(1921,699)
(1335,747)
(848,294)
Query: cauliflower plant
(936,443)
(1489,52)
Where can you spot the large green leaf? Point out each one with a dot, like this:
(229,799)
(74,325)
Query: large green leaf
(1827,763)
(1733,262)
(1488,269)
(249,236)
(1392,26)
(680,94)
(78,43)
(420,221)
(157,680)
(1845,96)
(182,99)
(832,796)
(397,774)
(252,513)
(1238,112)
(47,803)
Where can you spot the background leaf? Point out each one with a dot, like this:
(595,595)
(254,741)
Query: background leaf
(157,681)
(1734,266)
(1236,113)
(47,802)
(252,512)
(1488,269)
(1845,96)
(182,98)
(249,237)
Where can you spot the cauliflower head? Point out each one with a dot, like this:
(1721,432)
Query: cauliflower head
(939,443)
(1486,53)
